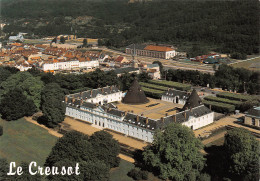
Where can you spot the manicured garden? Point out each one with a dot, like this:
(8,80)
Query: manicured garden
(176,85)
(226,102)
(153,86)
(153,93)
(220,107)
(24,141)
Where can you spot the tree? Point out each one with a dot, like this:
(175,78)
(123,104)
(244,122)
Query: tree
(62,39)
(242,155)
(237,55)
(175,154)
(144,77)
(95,170)
(34,71)
(196,50)
(54,40)
(30,86)
(75,147)
(16,105)
(4,74)
(106,148)
(85,43)
(52,107)
(1,130)
(26,175)
(126,81)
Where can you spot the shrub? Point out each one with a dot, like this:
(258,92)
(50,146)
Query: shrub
(176,85)
(1,130)
(220,107)
(234,96)
(153,93)
(237,104)
(138,174)
(153,86)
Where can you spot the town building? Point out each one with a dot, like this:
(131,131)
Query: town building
(69,65)
(153,71)
(155,51)
(175,96)
(252,117)
(18,37)
(105,115)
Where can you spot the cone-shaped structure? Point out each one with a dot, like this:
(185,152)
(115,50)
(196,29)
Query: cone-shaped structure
(193,101)
(135,95)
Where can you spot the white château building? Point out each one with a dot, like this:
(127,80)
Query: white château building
(175,96)
(98,111)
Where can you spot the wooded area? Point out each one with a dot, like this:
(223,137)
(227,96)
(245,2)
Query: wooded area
(225,26)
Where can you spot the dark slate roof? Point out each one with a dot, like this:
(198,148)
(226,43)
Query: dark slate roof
(181,117)
(174,92)
(143,122)
(115,112)
(254,112)
(193,101)
(136,46)
(94,92)
(125,69)
(135,95)
(89,105)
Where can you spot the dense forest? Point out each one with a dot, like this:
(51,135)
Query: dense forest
(225,26)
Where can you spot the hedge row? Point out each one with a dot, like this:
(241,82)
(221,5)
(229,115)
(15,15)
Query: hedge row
(153,86)
(176,85)
(153,93)
(238,97)
(220,107)
(237,104)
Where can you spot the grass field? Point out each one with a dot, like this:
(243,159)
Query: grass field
(24,141)
(247,64)
(120,173)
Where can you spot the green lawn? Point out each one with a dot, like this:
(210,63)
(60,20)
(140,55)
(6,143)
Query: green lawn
(24,141)
(120,173)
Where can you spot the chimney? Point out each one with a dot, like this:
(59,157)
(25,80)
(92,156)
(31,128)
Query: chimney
(81,102)
(166,114)
(91,92)
(210,106)
(142,114)
(110,88)
(137,118)
(80,94)
(162,119)
(66,99)
(185,114)
(102,89)
(73,99)
(175,118)
(146,121)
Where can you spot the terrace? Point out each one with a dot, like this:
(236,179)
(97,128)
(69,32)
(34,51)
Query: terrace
(158,110)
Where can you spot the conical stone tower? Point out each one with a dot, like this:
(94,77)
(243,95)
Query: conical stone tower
(135,95)
(193,101)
